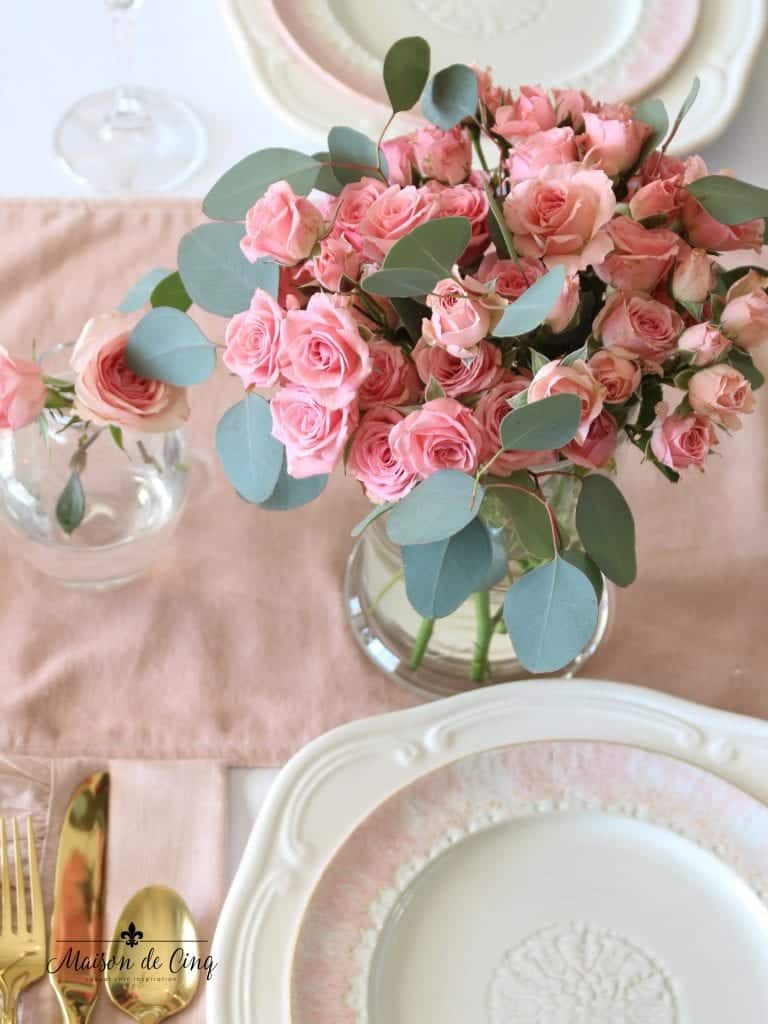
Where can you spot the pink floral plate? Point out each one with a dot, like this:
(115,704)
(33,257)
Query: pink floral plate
(563,882)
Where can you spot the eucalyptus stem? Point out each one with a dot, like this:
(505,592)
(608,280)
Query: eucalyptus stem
(421,642)
(484,628)
(384,591)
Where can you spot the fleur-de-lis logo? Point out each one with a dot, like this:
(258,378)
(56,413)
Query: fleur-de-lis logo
(132,936)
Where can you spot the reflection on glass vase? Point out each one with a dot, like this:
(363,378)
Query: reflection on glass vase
(130,501)
(470,647)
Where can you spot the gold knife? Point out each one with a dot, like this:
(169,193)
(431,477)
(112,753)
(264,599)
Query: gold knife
(77,927)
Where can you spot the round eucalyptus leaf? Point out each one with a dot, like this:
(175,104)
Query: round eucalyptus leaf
(433,247)
(440,576)
(582,561)
(354,155)
(533,307)
(606,528)
(450,96)
(252,458)
(326,179)
(217,275)
(238,188)
(142,290)
(729,200)
(550,614)
(549,423)
(530,520)
(171,292)
(437,508)
(167,345)
(292,493)
(400,283)
(406,70)
(652,112)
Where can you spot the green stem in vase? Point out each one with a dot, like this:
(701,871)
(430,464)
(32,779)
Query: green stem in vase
(421,642)
(484,626)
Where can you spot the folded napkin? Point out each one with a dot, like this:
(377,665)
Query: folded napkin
(167,826)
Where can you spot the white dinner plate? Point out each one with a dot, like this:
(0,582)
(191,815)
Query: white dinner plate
(335,783)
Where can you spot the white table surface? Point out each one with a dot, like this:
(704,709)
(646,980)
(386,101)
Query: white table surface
(54,51)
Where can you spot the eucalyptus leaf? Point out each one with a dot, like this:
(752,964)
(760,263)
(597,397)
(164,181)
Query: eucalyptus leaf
(70,507)
(167,345)
(171,292)
(537,360)
(530,520)
(651,393)
(354,155)
(499,565)
(573,357)
(116,434)
(435,246)
(433,390)
(408,283)
(548,423)
(652,112)
(141,291)
(217,275)
(533,307)
(582,561)
(252,458)
(374,513)
(607,529)
(743,362)
(440,576)
(687,103)
(550,614)
(238,188)
(438,507)
(729,200)
(406,70)
(450,96)
(411,314)
(291,492)
(326,179)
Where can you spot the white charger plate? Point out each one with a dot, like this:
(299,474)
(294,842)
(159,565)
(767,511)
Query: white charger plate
(721,52)
(331,786)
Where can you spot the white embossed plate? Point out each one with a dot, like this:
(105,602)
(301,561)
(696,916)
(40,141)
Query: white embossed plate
(334,784)
(567,881)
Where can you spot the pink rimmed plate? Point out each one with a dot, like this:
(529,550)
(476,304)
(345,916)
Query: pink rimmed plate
(564,881)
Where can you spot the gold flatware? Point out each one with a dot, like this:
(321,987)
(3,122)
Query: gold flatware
(152,967)
(22,940)
(77,925)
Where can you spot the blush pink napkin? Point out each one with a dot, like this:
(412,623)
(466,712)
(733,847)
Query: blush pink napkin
(235,646)
(168,826)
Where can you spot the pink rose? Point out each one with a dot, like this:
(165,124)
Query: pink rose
(659,198)
(612,144)
(682,441)
(460,320)
(252,342)
(396,212)
(510,278)
(704,232)
(490,95)
(471,202)
(398,153)
(753,281)
(282,226)
(290,294)
(599,446)
(532,112)
(372,461)
(570,105)
(638,325)
(561,215)
(446,156)
(705,341)
(393,379)
(108,392)
(352,204)
(314,435)
(564,310)
(555,379)
(458,375)
(640,257)
(745,317)
(490,412)
(322,350)
(555,146)
(619,375)
(722,393)
(22,391)
(337,259)
(694,275)
(442,434)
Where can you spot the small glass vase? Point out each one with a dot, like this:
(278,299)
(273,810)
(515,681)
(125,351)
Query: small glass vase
(133,499)
(392,633)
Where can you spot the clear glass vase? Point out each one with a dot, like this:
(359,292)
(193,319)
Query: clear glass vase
(133,499)
(389,630)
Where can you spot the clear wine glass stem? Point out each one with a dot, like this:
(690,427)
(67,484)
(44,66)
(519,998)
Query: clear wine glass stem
(128,112)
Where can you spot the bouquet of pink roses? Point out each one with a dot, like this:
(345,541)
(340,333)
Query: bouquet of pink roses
(455,335)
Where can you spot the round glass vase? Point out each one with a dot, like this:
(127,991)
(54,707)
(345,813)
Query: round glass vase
(132,499)
(392,633)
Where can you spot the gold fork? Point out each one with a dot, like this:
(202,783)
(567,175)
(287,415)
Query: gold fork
(22,942)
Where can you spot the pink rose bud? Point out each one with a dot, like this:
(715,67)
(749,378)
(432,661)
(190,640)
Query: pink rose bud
(314,435)
(612,144)
(555,379)
(564,310)
(398,153)
(442,434)
(599,446)
(490,412)
(282,226)
(638,326)
(682,441)
(253,340)
(322,350)
(458,375)
(560,216)
(490,95)
(745,319)
(460,319)
(337,260)
(395,213)
(555,146)
(571,105)
(659,198)
(640,257)
(22,391)
(109,393)
(722,393)
(705,341)
(532,112)
(445,156)
(694,275)
(393,379)
(372,461)
(619,375)
(471,202)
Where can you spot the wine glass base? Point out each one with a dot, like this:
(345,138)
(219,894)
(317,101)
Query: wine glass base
(151,143)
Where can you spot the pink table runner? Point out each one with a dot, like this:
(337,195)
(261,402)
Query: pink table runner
(235,646)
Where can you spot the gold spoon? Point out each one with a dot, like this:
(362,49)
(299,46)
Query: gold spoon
(153,963)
